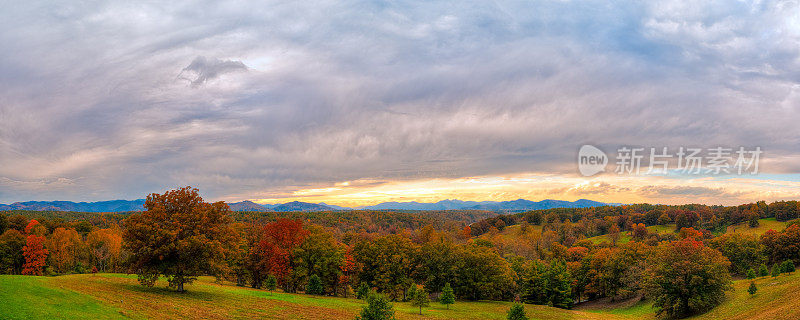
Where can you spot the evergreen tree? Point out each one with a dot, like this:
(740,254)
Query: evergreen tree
(419,298)
(517,312)
(411,292)
(315,285)
(751,274)
(763,271)
(776,270)
(378,308)
(752,289)
(447,298)
(787,266)
(559,285)
(271,283)
(363,291)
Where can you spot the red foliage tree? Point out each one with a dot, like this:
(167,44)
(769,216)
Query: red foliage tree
(35,255)
(273,252)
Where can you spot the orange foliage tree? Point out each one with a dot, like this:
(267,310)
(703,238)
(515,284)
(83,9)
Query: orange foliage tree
(179,236)
(64,246)
(105,247)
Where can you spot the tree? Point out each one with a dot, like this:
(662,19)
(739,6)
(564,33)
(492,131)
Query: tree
(105,247)
(743,251)
(378,308)
(482,273)
(614,234)
(787,266)
(639,232)
(271,283)
(315,285)
(65,246)
(752,289)
(320,255)
(11,252)
(363,291)
(3,223)
(664,219)
(763,271)
(776,270)
(686,277)
(420,299)
(517,312)
(179,236)
(559,285)
(35,255)
(751,274)
(447,297)
(274,251)
(387,263)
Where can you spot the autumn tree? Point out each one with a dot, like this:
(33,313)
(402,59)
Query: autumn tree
(318,255)
(274,251)
(35,255)
(419,298)
(65,246)
(11,257)
(387,262)
(105,247)
(686,277)
(744,252)
(614,234)
(179,236)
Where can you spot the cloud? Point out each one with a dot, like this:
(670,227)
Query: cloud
(366,91)
(203,69)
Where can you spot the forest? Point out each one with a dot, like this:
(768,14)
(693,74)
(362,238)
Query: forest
(678,257)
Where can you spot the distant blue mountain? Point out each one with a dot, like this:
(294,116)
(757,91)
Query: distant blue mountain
(302,206)
(138,205)
(515,205)
(100,206)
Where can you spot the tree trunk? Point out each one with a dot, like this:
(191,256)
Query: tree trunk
(180,287)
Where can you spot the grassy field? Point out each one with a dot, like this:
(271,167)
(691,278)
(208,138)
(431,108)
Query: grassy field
(764,225)
(625,237)
(115,296)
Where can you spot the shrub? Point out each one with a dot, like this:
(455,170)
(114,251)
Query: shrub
(517,312)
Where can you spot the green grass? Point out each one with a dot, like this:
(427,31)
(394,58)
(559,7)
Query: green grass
(27,297)
(114,296)
(764,225)
(105,296)
(625,237)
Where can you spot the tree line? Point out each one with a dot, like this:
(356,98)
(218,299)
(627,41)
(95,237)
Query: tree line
(550,261)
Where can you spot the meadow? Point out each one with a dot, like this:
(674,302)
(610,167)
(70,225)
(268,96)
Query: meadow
(119,296)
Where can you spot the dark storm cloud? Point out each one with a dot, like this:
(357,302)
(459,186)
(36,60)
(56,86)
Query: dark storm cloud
(339,91)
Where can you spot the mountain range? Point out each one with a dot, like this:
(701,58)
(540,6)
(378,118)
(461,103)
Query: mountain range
(138,205)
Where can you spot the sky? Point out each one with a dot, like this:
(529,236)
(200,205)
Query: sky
(360,102)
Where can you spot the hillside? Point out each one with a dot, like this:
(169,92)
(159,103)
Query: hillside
(116,296)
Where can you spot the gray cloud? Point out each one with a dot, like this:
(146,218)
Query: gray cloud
(340,91)
(202,69)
